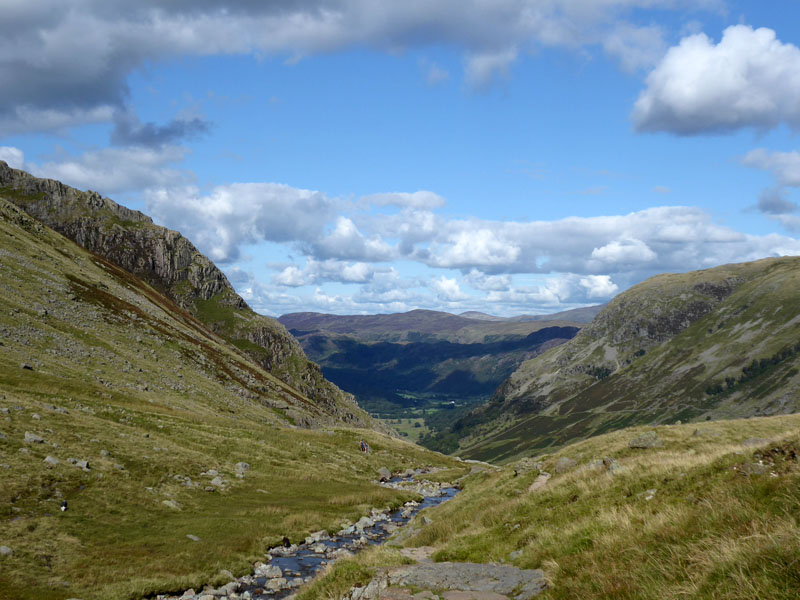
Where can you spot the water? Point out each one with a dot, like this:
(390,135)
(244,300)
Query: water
(304,561)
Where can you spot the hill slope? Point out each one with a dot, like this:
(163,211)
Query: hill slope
(115,399)
(423,369)
(709,344)
(173,266)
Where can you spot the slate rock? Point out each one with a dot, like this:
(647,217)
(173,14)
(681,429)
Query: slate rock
(51,460)
(384,474)
(191,536)
(242,466)
(501,579)
(32,438)
(648,439)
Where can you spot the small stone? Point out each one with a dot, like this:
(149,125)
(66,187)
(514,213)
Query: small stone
(749,469)
(119,467)
(217,481)
(6,551)
(104,453)
(26,367)
(191,536)
(515,554)
(51,460)
(171,504)
(36,417)
(242,466)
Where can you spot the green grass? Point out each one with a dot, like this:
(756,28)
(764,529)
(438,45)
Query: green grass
(145,386)
(708,531)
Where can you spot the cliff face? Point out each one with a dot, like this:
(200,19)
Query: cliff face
(171,264)
(717,343)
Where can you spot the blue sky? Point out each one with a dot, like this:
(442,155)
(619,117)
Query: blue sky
(364,156)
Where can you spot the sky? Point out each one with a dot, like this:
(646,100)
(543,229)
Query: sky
(375,156)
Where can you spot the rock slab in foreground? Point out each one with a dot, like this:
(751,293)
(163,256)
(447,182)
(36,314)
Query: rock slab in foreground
(520,584)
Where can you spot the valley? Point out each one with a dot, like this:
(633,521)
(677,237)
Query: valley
(159,439)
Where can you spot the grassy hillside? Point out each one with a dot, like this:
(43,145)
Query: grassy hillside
(713,512)
(710,344)
(97,366)
(173,266)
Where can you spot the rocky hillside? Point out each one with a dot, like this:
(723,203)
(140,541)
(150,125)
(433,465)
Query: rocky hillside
(172,265)
(717,343)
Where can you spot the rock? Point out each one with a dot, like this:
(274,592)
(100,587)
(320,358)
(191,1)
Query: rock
(26,367)
(188,594)
(648,439)
(105,453)
(611,464)
(425,520)
(36,417)
(749,469)
(460,595)
(278,583)
(217,481)
(268,571)
(501,579)
(171,504)
(119,467)
(539,482)
(647,495)
(191,536)
(51,460)
(564,464)
(515,555)
(6,551)
(32,438)
(2,435)
(242,467)
(384,474)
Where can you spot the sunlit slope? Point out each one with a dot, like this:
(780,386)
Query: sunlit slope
(173,266)
(710,344)
(96,366)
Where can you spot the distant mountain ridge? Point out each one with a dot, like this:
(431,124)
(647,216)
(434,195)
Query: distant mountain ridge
(717,343)
(170,263)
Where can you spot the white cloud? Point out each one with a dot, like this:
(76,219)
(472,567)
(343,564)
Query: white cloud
(118,170)
(346,242)
(784,166)
(748,79)
(482,281)
(14,157)
(626,251)
(599,286)
(448,289)
(242,213)
(475,245)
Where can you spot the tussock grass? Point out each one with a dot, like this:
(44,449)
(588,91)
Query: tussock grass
(707,531)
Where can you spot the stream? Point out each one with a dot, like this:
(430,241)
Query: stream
(287,568)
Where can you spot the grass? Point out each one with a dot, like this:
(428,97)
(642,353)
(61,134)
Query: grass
(706,531)
(121,376)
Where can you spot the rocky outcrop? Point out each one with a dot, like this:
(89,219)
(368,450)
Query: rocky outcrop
(172,265)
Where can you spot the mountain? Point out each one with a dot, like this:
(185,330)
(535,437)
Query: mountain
(176,453)
(709,344)
(173,266)
(421,370)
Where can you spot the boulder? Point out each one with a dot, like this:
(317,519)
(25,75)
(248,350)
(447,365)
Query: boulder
(384,474)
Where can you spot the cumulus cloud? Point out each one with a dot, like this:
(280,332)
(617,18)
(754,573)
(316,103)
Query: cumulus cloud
(448,289)
(748,79)
(65,63)
(773,201)
(327,270)
(346,242)
(627,251)
(243,213)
